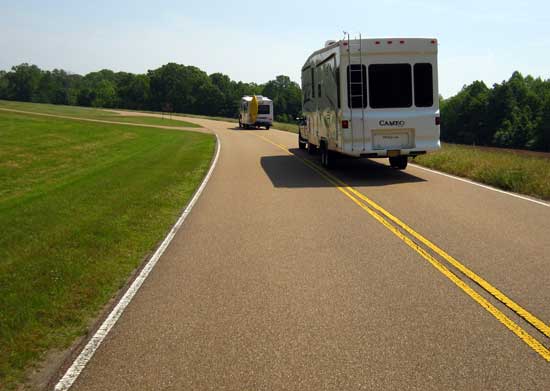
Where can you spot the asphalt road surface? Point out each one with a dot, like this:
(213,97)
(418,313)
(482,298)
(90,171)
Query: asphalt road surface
(284,277)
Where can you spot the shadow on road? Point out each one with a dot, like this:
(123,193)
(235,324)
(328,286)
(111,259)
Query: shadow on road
(287,171)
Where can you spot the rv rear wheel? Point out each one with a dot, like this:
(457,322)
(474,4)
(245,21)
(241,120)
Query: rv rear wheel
(311,148)
(399,162)
(267,127)
(325,155)
(301,142)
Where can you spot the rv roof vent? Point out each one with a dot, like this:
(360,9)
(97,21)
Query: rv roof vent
(329,42)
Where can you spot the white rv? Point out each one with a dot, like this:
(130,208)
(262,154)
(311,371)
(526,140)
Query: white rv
(255,111)
(371,98)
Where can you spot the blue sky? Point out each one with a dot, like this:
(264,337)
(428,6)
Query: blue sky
(257,40)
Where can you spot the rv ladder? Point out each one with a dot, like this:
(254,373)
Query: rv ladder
(352,70)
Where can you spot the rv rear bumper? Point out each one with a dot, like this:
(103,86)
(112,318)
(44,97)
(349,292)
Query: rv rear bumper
(390,153)
(423,148)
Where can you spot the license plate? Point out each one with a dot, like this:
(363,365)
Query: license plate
(394,153)
(392,139)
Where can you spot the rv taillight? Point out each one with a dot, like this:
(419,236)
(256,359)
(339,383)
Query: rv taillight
(401,42)
(345,124)
(438,120)
(377,43)
(434,41)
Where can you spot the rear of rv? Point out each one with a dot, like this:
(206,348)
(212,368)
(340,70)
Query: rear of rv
(265,112)
(249,117)
(389,97)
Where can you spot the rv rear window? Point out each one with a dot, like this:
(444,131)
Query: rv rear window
(357,86)
(390,86)
(423,85)
(263,109)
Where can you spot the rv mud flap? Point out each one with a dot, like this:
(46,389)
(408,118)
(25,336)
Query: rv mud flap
(394,152)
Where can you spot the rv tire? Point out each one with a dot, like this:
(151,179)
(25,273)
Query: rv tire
(311,148)
(267,127)
(325,155)
(301,142)
(399,162)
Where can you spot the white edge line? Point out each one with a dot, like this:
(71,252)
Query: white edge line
(483,186)
(93,344)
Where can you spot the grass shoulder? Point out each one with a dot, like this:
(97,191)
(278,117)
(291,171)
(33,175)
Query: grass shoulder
(81,206)
(507,170)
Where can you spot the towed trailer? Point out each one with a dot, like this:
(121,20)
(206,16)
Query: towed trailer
(255,111)
(371,98)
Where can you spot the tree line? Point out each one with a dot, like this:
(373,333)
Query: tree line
(512,114)
(172,87)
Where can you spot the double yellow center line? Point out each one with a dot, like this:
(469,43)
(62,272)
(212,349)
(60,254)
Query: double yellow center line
(384,217)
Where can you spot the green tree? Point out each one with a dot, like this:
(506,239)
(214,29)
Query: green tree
(54,87)
(465,116)
(105,94)
(3,85)
(514,113)
(180,86)
(98,89)
(23,82)
(133,91)
(287,97)
(229,104)
(542,133)
(209,100)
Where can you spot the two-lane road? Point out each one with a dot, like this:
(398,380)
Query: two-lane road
(284,278)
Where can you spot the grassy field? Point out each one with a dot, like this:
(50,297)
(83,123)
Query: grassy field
(520,173)
(101,114)
(91,113)
(81,205)
(293,128)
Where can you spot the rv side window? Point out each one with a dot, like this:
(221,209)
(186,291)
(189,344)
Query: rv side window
(390,86)
(357,86)
(423,85)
